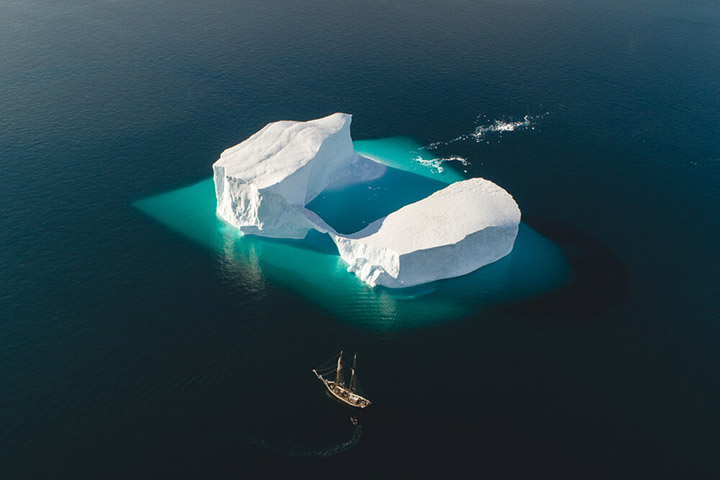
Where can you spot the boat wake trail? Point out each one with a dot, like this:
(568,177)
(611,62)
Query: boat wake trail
(292,450)
(297,451)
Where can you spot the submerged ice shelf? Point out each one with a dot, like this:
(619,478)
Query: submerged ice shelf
(263,185)
(312,268)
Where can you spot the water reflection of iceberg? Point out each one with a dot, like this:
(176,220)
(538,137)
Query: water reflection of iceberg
(535,266)
(241,267)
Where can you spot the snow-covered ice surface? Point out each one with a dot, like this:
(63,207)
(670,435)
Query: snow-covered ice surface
(263,184)
(454,231)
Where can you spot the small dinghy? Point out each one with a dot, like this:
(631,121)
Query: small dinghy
(336,386)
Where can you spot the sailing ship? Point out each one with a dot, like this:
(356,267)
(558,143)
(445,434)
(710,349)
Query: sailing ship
(348,394)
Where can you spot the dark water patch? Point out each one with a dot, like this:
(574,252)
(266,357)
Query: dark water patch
(296,450)
(599,280)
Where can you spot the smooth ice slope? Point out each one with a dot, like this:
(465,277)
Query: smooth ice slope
(263,184)
(452,232)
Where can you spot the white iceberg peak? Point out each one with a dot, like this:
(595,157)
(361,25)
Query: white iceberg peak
(263,184)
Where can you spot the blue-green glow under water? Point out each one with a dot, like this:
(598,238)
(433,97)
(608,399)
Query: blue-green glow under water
(164,346)
(313,268)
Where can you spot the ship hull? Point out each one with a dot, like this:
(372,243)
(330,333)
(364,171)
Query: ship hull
(344,395)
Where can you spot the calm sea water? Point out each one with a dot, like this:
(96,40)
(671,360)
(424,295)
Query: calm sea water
(133,349)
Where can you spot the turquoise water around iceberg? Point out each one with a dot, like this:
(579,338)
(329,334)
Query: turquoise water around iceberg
(313,268)
(403,153)
(130,350)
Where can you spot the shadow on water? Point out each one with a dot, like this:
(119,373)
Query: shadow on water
(599,281)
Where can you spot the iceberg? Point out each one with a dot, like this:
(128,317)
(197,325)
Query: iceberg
(263,184)
(454,231)
(262,187)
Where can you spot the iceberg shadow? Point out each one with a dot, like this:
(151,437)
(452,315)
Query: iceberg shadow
(599,280)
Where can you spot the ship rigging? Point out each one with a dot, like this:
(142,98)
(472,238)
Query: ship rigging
(346,393)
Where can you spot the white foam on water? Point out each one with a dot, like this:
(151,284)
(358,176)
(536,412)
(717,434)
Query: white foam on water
(481,132)
(436,163)
(434,145)
(501,126)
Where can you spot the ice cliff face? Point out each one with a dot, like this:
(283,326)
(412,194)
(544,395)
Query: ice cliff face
(263,184)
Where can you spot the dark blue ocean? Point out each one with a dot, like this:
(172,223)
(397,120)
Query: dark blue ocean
(141,338)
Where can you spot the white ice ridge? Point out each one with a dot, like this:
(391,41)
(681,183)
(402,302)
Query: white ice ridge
(263,184)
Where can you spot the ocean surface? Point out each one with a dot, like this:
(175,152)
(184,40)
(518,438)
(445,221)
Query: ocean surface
(140,337)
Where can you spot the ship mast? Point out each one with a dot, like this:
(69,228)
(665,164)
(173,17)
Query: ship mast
(352,378)
(338,377)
